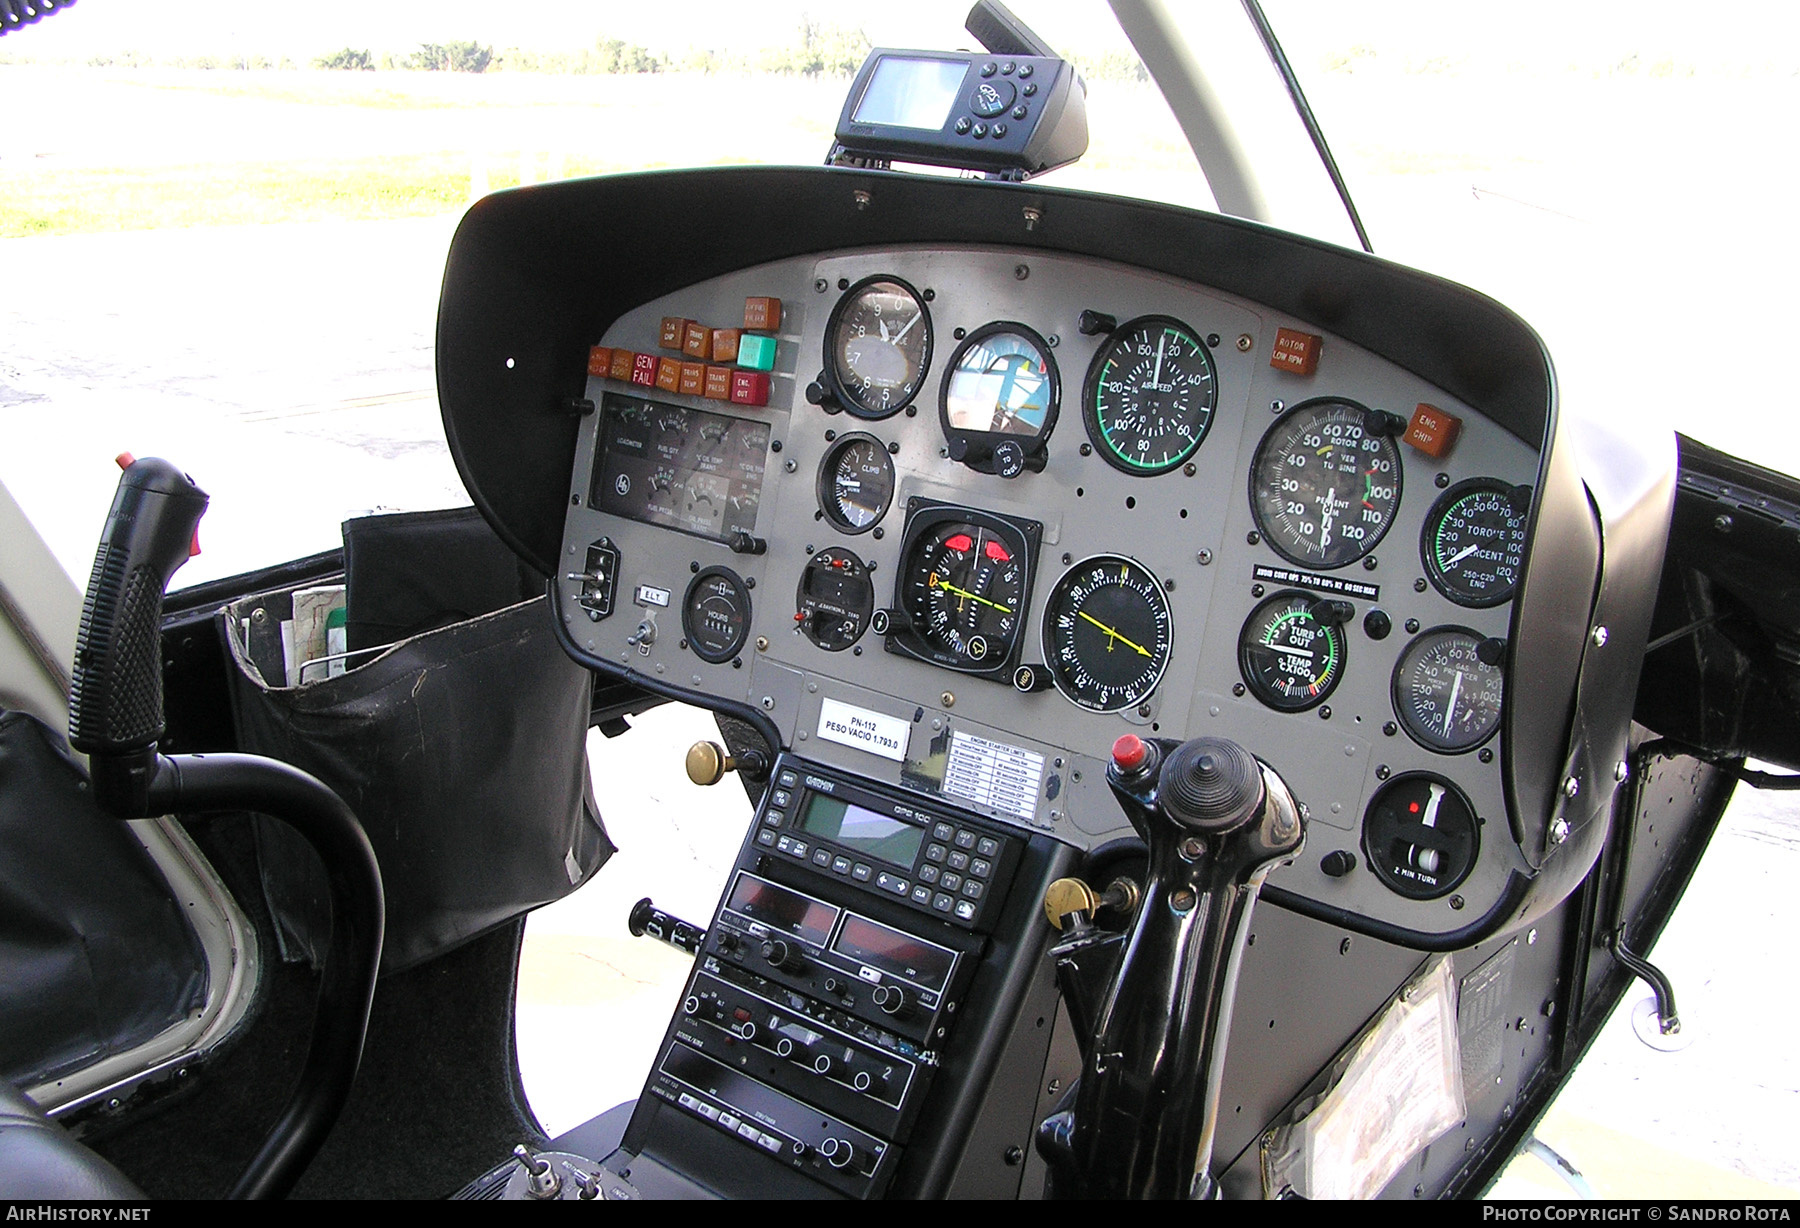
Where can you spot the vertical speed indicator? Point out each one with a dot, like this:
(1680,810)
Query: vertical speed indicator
(1107,633)
(1150,395)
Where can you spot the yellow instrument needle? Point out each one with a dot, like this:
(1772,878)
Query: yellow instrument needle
(1114,634)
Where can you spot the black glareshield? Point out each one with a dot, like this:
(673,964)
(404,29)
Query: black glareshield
(116,698)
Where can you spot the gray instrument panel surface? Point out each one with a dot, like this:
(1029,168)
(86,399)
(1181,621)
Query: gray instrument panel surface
(1168,523)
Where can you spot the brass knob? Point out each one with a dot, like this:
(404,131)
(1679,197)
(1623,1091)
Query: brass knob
(707,763)
(1068,895)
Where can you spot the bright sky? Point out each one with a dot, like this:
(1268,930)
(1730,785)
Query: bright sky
(1739,33)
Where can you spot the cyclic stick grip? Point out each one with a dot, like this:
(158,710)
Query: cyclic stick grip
(1216,821)
(116,695)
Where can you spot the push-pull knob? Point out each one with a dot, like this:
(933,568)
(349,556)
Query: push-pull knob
(707,763)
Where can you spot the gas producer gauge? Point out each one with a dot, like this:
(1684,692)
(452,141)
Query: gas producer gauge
(1448,689)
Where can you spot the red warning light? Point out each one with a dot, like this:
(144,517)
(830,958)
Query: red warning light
(1413,807)
(962,541)
(996,552)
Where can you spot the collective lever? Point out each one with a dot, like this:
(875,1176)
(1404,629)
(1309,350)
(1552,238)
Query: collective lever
(1216,821)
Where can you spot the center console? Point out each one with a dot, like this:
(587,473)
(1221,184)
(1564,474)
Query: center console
(852,954)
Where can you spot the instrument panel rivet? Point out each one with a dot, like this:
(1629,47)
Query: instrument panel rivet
(768,703)
(948,699)
(774,445)
(1189,469)
(1252,537)
(812,687)
(1244,343)
(1369,564)
(1021,271)
(1599,637)
(936,724)
(1383,771)
(820,285)
(1419,585)
(1621,770)
(1486,755)
(1237,689)
(1325,712)
(1571,786)
(762,643)
(1456,903)
(1144,709)
(790,466)
(1181,900)
(1441,480)
(1412,626)
(1389,729)
(1276,407)
(1086,449)
(1204,558)
(1257,590)
(1531,937)
(1193,848)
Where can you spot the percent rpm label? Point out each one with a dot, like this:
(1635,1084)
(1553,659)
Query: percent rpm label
(1107,633)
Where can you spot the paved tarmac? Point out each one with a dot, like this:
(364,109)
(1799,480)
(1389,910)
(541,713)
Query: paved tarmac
(289,369)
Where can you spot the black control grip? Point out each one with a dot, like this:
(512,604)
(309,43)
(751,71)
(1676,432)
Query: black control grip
(116,697)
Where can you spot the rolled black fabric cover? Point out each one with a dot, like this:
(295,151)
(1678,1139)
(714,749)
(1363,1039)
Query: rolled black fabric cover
(95,956)
(414,572)
(463,754)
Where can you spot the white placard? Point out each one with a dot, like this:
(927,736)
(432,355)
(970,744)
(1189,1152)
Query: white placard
(871,731)
(994,774)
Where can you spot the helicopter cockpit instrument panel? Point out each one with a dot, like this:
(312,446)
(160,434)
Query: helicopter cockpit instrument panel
(956,518)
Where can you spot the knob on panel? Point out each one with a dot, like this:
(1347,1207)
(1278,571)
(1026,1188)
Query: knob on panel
(837,1152)
(784,955)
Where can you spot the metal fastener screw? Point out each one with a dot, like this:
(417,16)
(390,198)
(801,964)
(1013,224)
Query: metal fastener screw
(862,198)
(1276,407)
(1571,787)
(1559,830)
(1621,770)
(1181,899)
(790,466)
(1144,709)
(1193,848)
(1032,217)
(948,699)
(1344,947)
(1369,564)
(1383,771)
(762,643)
(1722,523)
(1531,938)
(1244,343)
(768,703)
(1486,755)
(1599,637)
(1021,271)
(1204,558)
(1456,903)
(1419,585)
(1237,688)
(820,285)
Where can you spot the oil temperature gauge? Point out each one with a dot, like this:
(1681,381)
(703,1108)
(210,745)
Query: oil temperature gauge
(1447,689)
(715,614)
(1421,835)
(1291,650)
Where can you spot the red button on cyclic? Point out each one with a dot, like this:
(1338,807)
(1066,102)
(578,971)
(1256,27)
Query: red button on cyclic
(1129,752)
